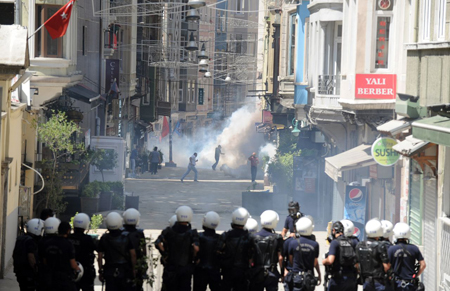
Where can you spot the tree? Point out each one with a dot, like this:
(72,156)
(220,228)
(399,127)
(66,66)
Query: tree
(104,160)
(58,134)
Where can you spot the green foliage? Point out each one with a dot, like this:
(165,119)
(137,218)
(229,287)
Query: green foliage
(94,188)
(117,198)
(104,160)
(142,264)
(96,221)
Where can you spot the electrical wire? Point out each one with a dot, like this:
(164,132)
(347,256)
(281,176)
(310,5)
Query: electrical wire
(43,182)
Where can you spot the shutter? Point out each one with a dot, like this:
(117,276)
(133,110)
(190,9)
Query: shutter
(415,209)
(430,243)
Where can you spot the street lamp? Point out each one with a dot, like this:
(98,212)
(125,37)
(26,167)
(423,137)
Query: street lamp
(202,54)
(295,131)
(228,78)
(208,74)
(196,3)
(192,45)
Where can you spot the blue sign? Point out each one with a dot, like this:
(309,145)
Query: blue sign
(200,96)
(355,208)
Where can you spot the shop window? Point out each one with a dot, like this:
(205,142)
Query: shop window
(46,46)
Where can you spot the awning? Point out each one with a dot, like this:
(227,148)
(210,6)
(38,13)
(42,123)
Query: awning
(435,129)
(410,146)
(354,158)
(394,127)
(82,93)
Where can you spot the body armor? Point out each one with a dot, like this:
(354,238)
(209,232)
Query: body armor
(208,248)
(86,259)
(136,238)
(20,255)
(180,246)
(370,265)
(236,252)
(266,249)
(116,252)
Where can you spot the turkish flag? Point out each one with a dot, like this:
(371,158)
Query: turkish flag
(165,128)
(58,23)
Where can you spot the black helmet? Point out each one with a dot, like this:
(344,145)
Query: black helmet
(293,208)
(338,227)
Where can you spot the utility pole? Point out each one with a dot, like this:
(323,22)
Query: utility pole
(170,163)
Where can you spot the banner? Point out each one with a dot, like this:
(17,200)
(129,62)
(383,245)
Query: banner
(112,73)
(355,208)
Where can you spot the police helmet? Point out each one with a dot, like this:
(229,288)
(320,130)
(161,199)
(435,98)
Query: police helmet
(240,216)
(172,220)
(81,220)
(80,274)
(51,225)
(184,214)
(338,227)
(293,207)
(387,228)
(269,219)
(211,220)
(304,226)
(402,230)
(35,226)
(310,218)
(251,226)
(349,227)
(113,221)
(131,216)
(373,228)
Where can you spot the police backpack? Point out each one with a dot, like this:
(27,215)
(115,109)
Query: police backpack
(347,255)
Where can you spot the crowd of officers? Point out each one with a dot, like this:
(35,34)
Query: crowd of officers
(241,258)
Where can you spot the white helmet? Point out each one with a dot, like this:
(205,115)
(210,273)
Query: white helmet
(113,221)
(184,214)
(387,228)
(80,274)
(310,218)
(35,226)
(172,220)
(349,227)
(240,216)
(374,229)
(304,226)
(251,226)
(131,216)
(81,220)
(211,220)
(269,219)
(51,225)
(402,230)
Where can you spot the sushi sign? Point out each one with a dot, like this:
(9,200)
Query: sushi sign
(383,152)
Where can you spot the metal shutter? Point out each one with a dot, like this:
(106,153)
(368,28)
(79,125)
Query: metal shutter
(415,209)
(430,244)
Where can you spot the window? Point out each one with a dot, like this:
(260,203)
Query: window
(45,45)
(306,54)
(239,44)
(426,17)
(180,95)
(382,42)
(83,41)
(441,19)
(291,44)
(239,6)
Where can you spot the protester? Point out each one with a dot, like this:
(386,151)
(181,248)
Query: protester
(217,154)
(254,161)
(155,159)
(191,167)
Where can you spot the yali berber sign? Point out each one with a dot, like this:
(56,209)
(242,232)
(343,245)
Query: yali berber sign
(375,86)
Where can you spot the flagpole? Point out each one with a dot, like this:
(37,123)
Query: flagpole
(40,27)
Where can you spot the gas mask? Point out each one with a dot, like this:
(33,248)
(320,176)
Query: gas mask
(294,213)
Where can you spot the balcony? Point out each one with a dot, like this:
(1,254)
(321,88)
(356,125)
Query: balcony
(328,92)
(287,87)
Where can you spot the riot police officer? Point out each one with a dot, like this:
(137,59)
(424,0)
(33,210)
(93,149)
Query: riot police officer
(234,250)
(207,269)
(267,248)
(131,219)
(373,258)
(251,226)
(387,232)
(25,255)
(403,257)
(59,259)
(84,251)
(303,256)
(341,258)
(118,271)
(179,246)
(50,230)
(349,230)
(291,219)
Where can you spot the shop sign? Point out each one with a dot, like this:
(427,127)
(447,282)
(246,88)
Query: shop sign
(200,96)
(375,86)
(355,208)
(112,73)
(383,153)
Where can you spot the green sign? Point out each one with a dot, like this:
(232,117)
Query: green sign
(200,96)
(383,153)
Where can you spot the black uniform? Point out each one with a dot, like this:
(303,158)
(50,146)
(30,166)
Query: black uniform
(305,251)
(137,238)
(286,264)
(207,271)
(84,254)
(26,275)
(118,270)
(266,247)
(343,277)
(57,253)
(178,267)
(371,255)
(403,257)
(234,246)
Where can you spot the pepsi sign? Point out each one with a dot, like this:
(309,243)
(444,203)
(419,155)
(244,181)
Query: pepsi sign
(355,208)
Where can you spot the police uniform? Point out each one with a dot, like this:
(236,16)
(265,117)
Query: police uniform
(207,271)
(137,239)
(266,249)
(84,254)
(117,270)
(178,268)
(287,264)
(26,275)
(343,278)
(304,251)
(403,264)
(289,222)
(371,255)
(234,246)
(57,253)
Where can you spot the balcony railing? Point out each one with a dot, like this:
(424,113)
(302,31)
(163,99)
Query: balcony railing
(329,85)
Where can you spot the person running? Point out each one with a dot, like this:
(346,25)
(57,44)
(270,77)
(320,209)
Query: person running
(254,161)
(217,154)
(191,167)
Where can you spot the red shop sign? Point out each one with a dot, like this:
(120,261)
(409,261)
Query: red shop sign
(375,86)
